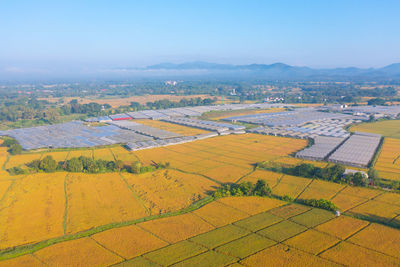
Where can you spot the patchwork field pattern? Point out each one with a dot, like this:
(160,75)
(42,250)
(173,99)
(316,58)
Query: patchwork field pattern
(280,233)
(172,127)
(388,163)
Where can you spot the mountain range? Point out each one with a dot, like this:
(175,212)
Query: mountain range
(281,70)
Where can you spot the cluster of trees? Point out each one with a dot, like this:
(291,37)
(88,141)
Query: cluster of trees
(376,102)
(319,203)
(86,165)
(333,173)
(261,188)
(13,147)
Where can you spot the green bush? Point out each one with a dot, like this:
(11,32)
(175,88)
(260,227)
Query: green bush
(320,203)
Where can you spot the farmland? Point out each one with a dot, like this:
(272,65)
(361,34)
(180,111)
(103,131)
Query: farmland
(388,163)
(126,101)
(279,233)
(387,128)
(127,218)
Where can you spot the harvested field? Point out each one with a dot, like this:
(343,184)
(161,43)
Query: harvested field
(177,228)
(281,255)
(169,190)
(129,241)
(79,252)
(312,241)
(353,255)
(175,253)
(32,210)
(98,199)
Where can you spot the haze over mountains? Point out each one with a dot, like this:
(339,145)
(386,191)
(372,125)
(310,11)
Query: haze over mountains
(284,71)
(201,70)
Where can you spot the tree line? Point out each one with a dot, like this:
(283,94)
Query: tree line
(86,165)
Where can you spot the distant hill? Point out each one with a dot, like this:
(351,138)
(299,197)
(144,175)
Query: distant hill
(281,70)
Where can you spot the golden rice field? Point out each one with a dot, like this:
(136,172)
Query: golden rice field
(94,200)
(244,230)
(387,128)
(172,127)
(273,234)
(388,163)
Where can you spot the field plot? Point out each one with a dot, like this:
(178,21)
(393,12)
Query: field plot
(313,217)
(321,189)
(210,258)
(389,198)
(26,260)
(121,153)
(245,246)
(79,252)
(218,115)
(388,163)
(83,152)
(32,210)
(104,154)
(218,214)
(129,241)
(22,159)
(312,241)
(252,205)
(95,200)
(270,177)
(281,255)
(57,156)
(291,186)
(169,190)
(342,227)
(380,238)
(345,201)
(388,128)
(220,236)
(172,127)
(175,253)
(376,210)
(188,240)
(177,228)
(282,231)
(3,159)
(225,174)
(353,255)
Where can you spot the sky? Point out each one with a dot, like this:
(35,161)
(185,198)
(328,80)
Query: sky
(39,35)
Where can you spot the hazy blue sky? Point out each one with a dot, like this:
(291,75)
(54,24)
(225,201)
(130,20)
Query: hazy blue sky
(316,33)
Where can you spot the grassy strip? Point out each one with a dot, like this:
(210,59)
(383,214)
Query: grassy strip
(65,204)
(31,248)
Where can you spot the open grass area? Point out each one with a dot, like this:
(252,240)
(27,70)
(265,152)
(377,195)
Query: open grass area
(387,128)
